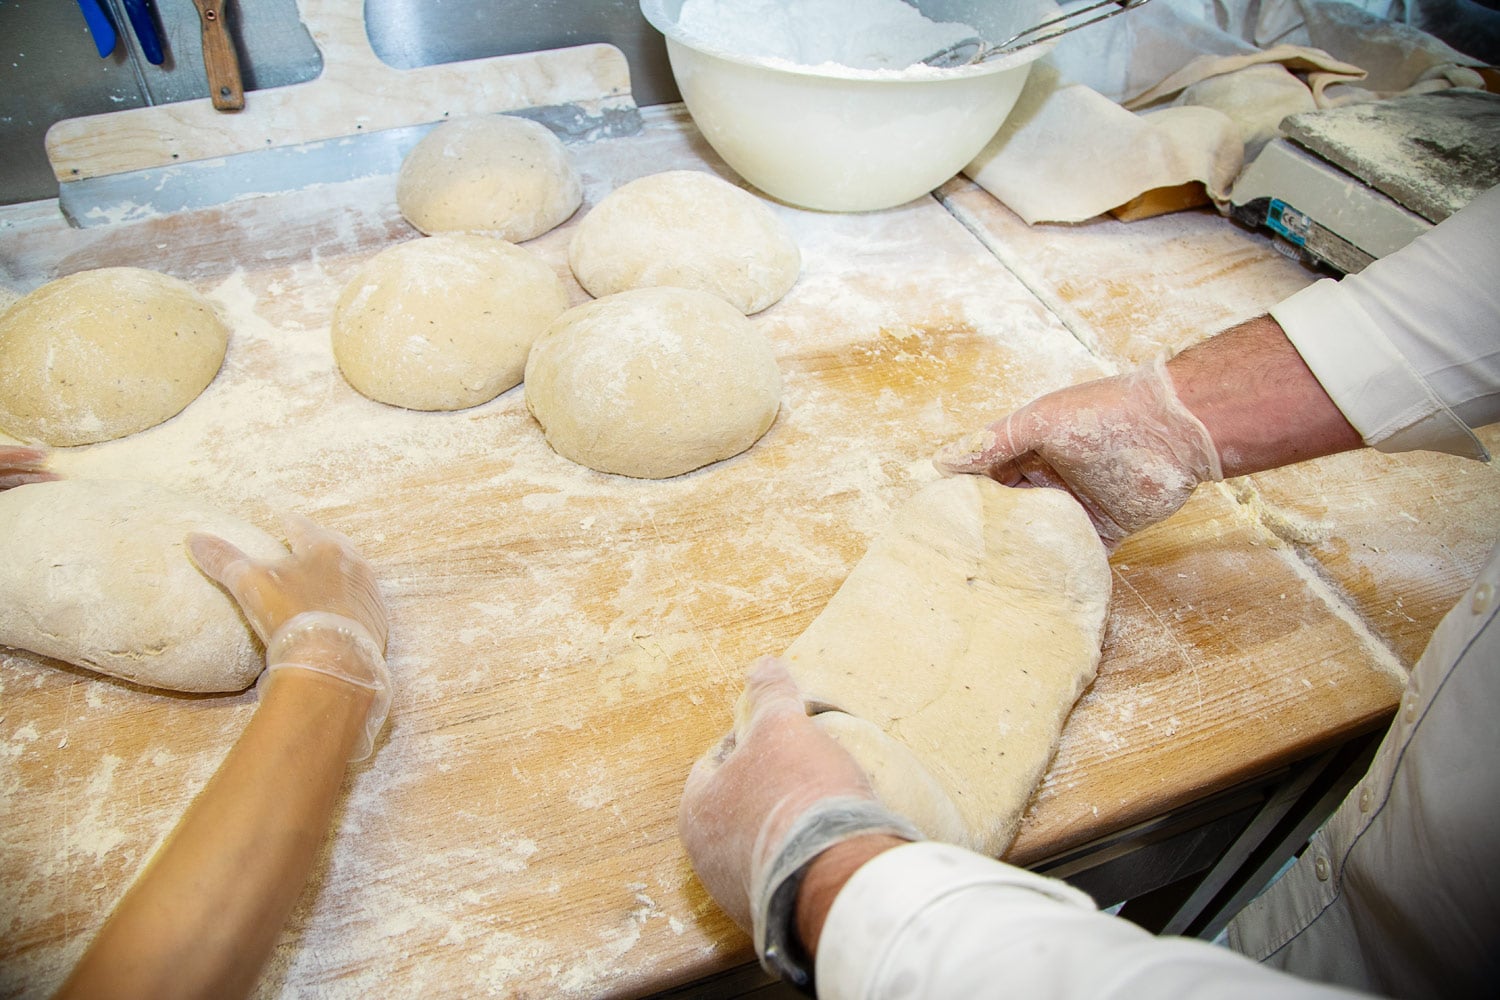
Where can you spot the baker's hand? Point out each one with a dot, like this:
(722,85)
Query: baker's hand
(19,466)
(769,798)
(1126,448)
(317,608)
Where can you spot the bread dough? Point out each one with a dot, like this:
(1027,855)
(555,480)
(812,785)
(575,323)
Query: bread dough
(898,777)
(96,573)
(101,354)
(686,229)
(652,383)
(504,176)
(444,322)
(950,658)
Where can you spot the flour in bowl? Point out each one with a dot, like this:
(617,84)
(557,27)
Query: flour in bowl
(858,34)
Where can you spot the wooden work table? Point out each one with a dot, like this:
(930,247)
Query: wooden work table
(565,643)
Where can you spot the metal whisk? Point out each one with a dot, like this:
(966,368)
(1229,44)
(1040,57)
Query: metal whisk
(976,50)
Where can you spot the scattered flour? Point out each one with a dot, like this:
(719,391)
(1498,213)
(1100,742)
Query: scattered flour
(850,34)
(510,570)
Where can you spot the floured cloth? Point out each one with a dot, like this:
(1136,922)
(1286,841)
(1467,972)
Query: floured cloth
(1067,153)
(1182,91)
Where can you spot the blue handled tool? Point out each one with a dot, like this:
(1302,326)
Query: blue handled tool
(145,30)
(100,29)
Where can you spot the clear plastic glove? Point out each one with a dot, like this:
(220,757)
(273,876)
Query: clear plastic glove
(19,466)
(317,609)
(1126,448)
(768,799)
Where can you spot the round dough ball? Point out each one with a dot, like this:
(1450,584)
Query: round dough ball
(98,574)
(443,322)
(686,229)
(506,176)
(102,354)
(652,383)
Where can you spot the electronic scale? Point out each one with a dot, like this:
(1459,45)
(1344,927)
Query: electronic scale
(1348,185)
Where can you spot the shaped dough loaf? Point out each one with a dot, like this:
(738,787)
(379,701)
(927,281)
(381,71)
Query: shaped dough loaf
(97,574)
(101,354)
(494,174)
(652,383)
(444,322)
(686,229)
(948,661)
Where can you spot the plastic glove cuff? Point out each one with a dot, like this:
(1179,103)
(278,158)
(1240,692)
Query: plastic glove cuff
(351,640)
(775,898)
(1194,446)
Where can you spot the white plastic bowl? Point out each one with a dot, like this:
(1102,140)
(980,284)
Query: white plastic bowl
(848,140)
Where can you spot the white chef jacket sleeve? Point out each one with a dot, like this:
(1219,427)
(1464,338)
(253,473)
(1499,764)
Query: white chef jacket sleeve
(930,920)
(1409,348)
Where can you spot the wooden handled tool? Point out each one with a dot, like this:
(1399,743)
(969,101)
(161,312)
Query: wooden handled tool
(219,58)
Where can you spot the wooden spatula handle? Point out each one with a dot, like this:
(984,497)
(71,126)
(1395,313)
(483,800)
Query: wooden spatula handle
(219,58)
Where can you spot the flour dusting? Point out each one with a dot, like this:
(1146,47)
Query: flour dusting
(878,35)
(564,642)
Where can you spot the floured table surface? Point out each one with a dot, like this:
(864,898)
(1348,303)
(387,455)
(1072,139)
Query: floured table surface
(1398,538)
(565,643)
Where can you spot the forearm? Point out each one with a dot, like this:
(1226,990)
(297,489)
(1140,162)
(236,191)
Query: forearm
(1261,404)
(826,876)
(203,917)
(1410,346)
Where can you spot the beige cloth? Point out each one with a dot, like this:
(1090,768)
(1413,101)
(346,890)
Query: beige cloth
(1067,153)
(1190,90)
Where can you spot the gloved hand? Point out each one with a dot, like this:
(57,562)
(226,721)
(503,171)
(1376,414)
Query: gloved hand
(19,466)
(317,609)
(773,795)
(1126,448)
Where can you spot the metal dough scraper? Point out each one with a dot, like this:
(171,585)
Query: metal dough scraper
(357,119)
(1348,185)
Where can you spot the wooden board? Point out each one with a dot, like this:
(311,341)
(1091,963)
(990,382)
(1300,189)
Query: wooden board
(354,93)
(1226,658)
(1132,290)
(1398,538)
(566,643)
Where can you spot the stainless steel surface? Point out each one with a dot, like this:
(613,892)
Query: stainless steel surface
(140,194)
(142,43)
(411,33)
(49,71)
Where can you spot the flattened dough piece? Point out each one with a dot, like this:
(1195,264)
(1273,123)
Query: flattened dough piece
(96,573)
(955,650)
(101,354)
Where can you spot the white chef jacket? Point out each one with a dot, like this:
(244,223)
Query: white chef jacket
(1400,891)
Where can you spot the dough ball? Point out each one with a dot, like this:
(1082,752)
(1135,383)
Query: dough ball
(102,354)
(506,176)
(652,383)
(444,322)
(686,229)
(98,574)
